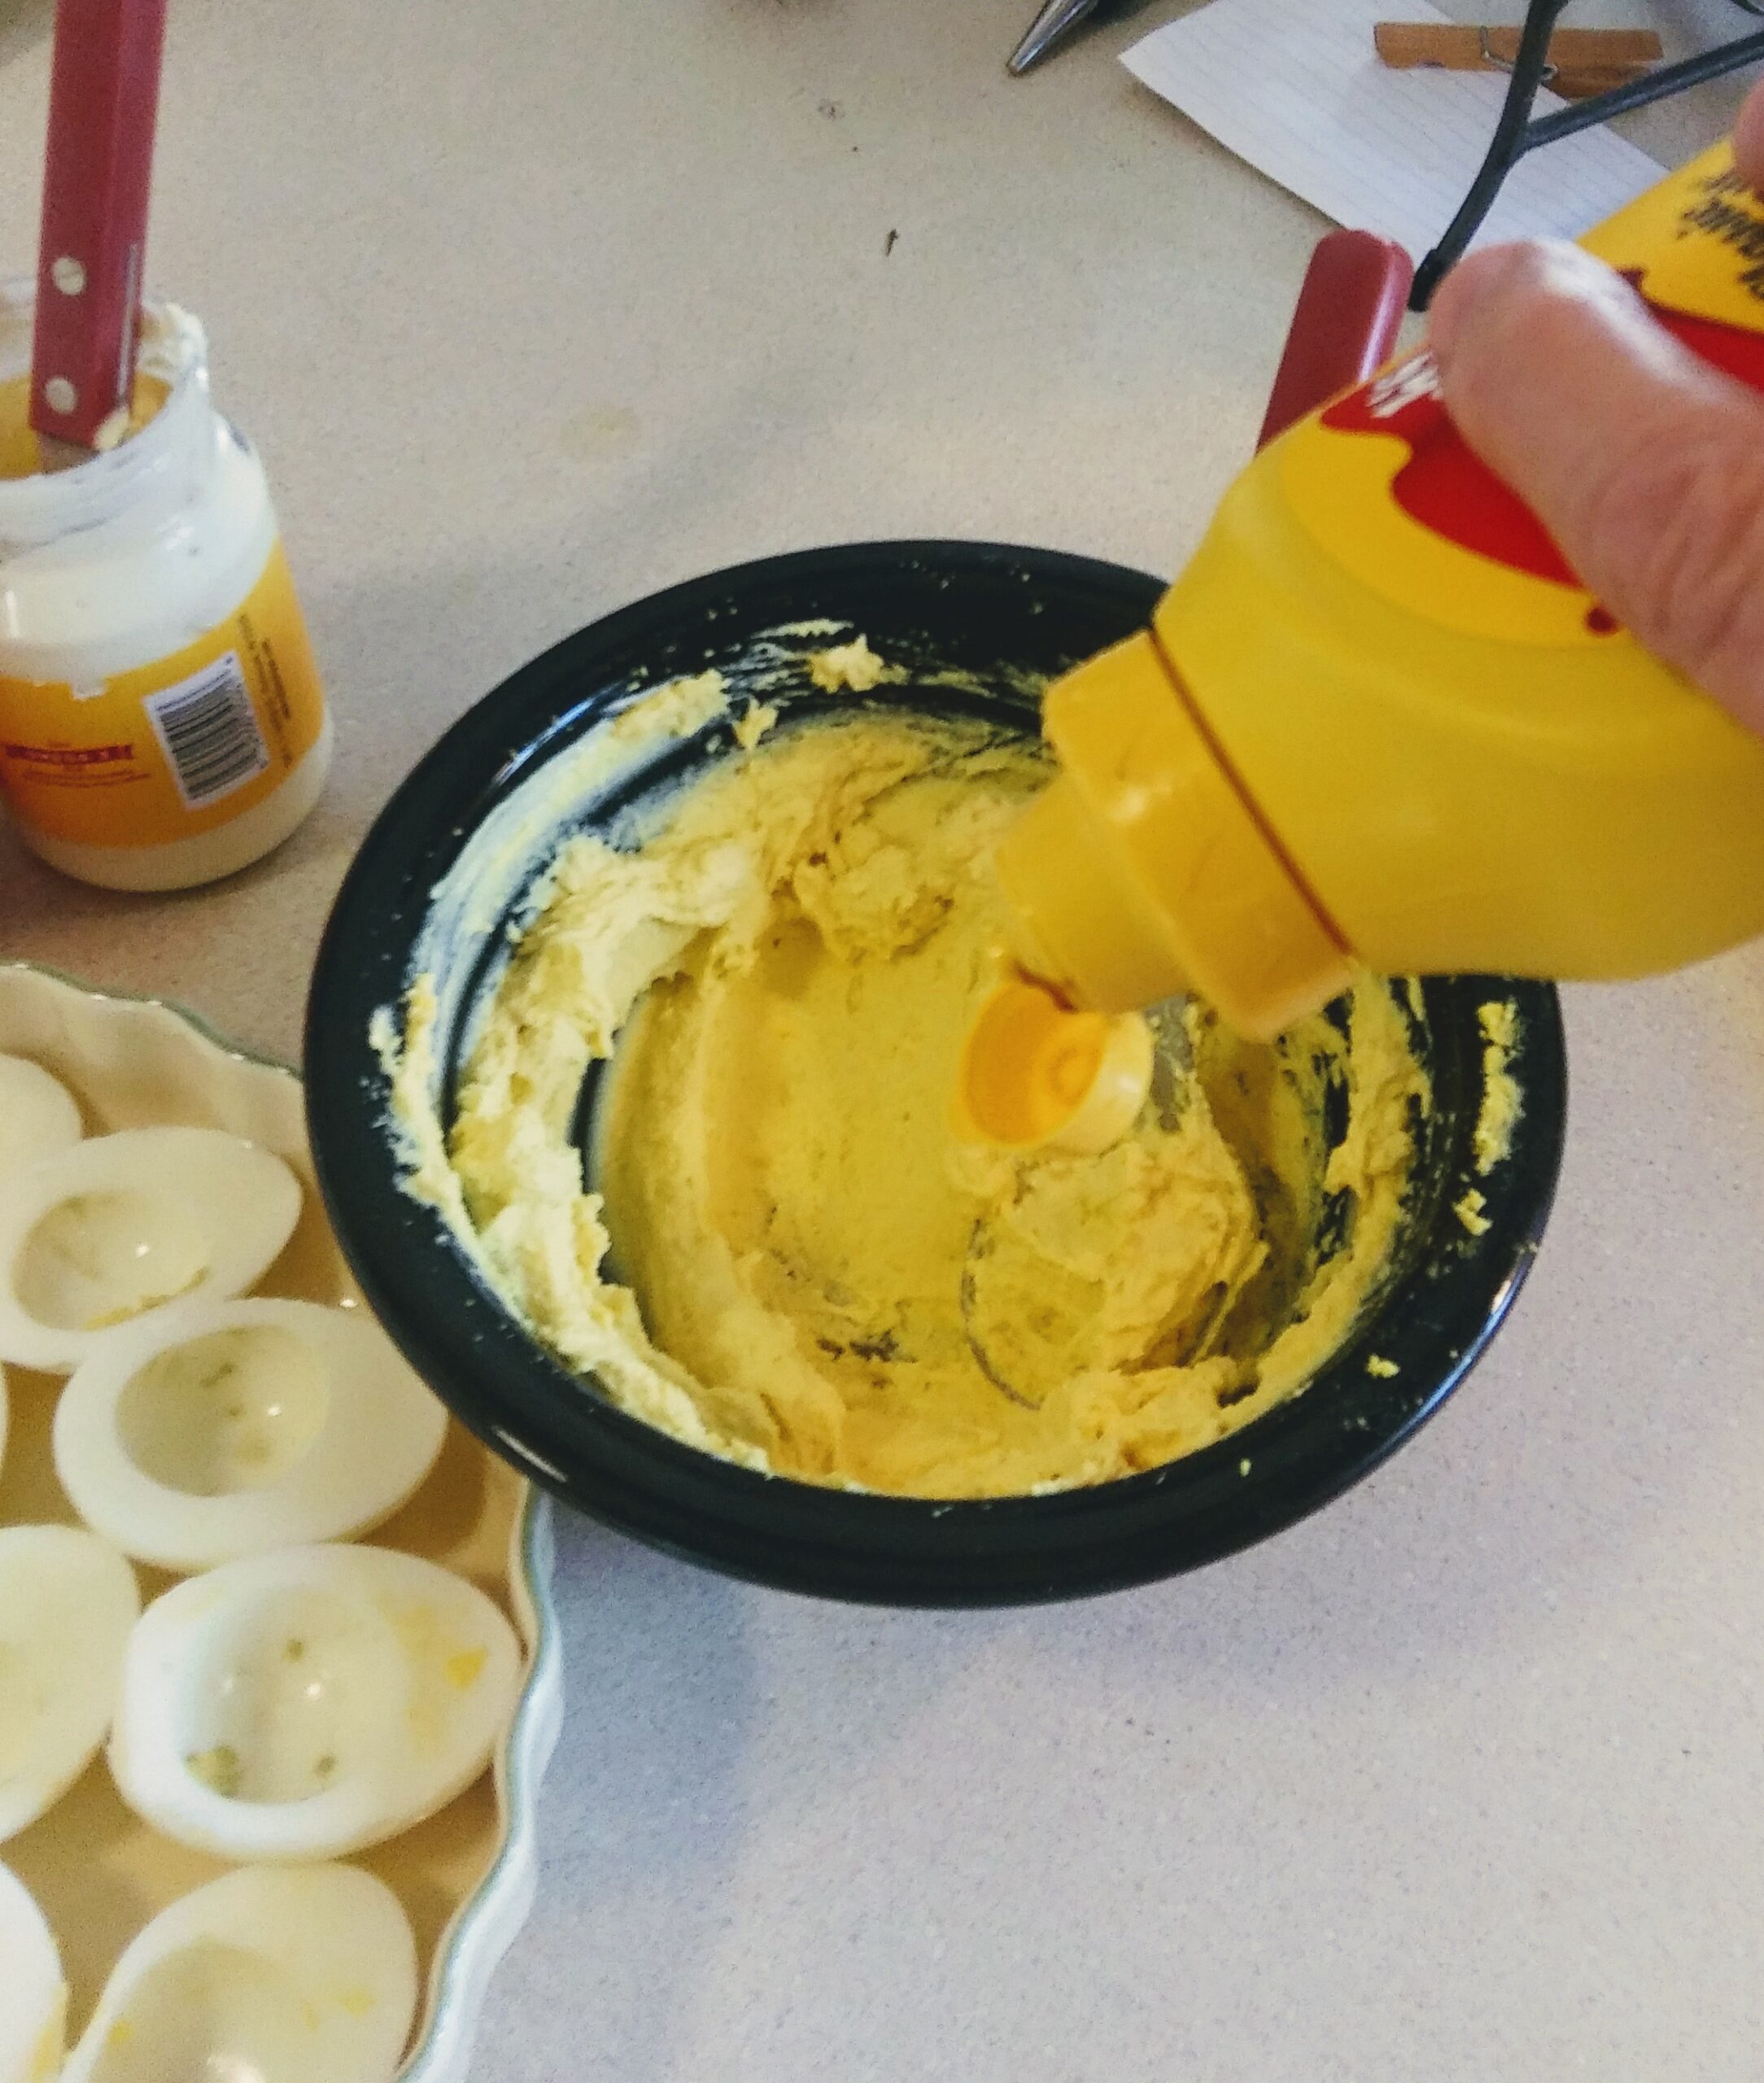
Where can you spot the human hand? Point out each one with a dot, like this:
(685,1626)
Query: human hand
(1646,464)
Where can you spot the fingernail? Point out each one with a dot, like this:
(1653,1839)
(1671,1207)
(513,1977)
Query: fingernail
(1443,324)
(1457,298)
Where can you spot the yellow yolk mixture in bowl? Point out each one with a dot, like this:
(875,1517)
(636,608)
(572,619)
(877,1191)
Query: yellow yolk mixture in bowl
(633,1071)
(788,1257)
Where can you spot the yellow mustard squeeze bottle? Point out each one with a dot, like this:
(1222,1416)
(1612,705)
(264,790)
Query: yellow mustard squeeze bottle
(1378,721)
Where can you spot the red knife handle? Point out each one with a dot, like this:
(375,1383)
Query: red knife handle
(1344,326)
(103,98)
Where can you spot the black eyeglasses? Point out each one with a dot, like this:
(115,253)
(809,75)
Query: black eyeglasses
(1519,131)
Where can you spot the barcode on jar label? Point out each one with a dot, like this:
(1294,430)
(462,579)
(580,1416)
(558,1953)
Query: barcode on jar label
(208,730)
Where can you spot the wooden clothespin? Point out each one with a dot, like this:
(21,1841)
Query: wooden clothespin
(1582,62)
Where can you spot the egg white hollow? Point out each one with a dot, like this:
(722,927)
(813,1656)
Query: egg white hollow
(38,1115)
(268,1975)
(308,1702)
(118,1228)
(229,1430)
(68,1600)
(33,1997)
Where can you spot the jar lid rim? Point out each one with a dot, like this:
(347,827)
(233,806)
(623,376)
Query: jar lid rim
(173,348)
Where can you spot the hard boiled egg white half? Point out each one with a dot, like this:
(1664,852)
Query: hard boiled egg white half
(38,1115)
(216,1432)
(268,1975)
(68,1600)
(306,1702)
(33,1997)
(104,1233)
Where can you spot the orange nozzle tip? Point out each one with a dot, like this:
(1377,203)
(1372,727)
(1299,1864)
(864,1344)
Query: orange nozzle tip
(1036,1073)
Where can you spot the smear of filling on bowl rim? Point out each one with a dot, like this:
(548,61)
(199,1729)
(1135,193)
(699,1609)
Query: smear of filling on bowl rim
(789,1259)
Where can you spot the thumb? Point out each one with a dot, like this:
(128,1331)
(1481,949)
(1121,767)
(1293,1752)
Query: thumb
(1646,464)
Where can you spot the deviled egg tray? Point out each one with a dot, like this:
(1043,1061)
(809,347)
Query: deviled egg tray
(279,1671)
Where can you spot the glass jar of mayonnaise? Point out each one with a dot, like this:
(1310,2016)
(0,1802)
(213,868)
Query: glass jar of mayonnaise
(161,722)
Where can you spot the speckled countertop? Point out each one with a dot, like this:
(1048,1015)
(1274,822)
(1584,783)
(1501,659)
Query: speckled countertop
(537,306)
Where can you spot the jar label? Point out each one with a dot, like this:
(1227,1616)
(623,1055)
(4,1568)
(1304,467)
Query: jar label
(171,749)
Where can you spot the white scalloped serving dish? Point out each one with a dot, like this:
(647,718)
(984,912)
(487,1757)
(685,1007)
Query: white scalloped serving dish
(466,1876)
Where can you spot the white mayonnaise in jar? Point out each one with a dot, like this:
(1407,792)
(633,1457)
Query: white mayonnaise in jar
(161,722)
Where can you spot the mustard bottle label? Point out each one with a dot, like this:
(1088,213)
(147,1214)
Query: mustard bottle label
(1384,482)
(169,750)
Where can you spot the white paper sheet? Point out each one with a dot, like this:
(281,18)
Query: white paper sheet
(1294,87)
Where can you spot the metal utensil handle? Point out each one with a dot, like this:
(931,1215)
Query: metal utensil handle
(1344,325)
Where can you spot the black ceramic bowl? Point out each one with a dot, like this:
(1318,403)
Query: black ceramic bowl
(1004,617)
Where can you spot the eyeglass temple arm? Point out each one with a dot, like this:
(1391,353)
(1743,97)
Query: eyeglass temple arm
(1508,143)
(1517,133)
